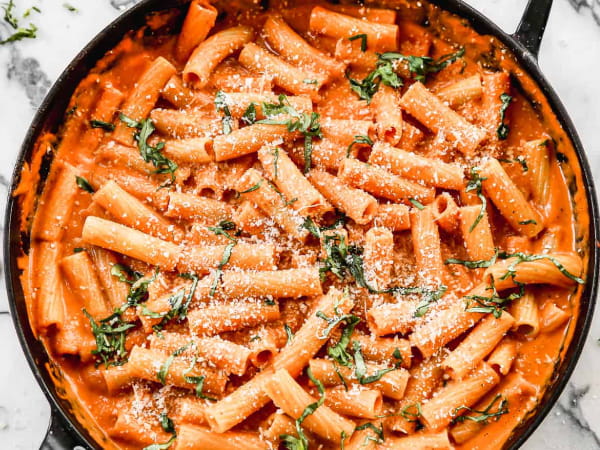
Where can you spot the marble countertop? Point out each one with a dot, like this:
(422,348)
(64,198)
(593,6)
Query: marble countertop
(570,58)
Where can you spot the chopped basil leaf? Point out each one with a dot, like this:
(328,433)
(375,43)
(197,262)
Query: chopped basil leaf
(149,153)
(301,442)
(9,17)
(253,188)
(21,33)
(338,352)
(358,139)
(164,446)
(493,304)
(249,116)
(84,184)
(110,334)
(222,229)
(417,204)
(408,414)
(164,369)
(197,380)
(486,414)
(101,124)
(503,129)
(222,106)
(421,66)
(396,354)
(78,250)
(166,423)
(129,121)
(528,222)
(474,184)
(69,7)
(479,264)
(374,429)
(27,12)
(363,41)
(224,260)
(289,333)
(360,368)
(331,322)
(305,123)
(385,72)
(270,302)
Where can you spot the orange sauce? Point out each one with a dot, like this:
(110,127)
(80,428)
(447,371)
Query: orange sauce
(529,118)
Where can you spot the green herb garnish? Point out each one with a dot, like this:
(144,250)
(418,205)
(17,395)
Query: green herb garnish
(222,106)
(301,442)
(358,139)
(417,204)
(149,153)
(363,41)
(110,334)
(486,414)
(305,123)
(474,184)
(84,184)
(101,124)
(503,129)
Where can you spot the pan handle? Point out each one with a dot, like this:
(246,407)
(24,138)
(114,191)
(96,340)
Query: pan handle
(58,436)
(533,24)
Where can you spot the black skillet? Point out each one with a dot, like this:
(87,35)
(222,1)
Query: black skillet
(64,431)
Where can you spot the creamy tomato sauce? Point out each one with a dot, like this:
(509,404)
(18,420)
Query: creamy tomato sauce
(129,415)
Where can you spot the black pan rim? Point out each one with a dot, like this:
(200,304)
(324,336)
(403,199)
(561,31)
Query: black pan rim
(133,18)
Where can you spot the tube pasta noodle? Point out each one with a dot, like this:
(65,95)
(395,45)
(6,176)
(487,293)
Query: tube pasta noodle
(396,217)
(142,99)
(296,50)
(129,211)
(238,237)
(462,91)
(289,396)
(365,403)
(382,183)
(509,199)
(391,384)
(192,437)
(526,314)
(476,232)
(284,75)
(477,345)
(435,115)
(439,411)
(415,167)
(380,37)
(446,212)
(80,273)
(426,245)
(388,115)
(357,204)
(199,20)
(503,356)
(211,52)
(290,181)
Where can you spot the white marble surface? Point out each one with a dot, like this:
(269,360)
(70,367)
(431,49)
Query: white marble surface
(570,57)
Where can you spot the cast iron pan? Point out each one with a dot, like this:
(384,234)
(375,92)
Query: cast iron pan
(64,431)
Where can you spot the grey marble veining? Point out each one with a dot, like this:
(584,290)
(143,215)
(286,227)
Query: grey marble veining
(570,58)
(593,6)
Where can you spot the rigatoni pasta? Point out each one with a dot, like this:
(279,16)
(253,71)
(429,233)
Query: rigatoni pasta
(318,225)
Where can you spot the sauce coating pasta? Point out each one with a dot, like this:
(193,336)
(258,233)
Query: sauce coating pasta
(310,225)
